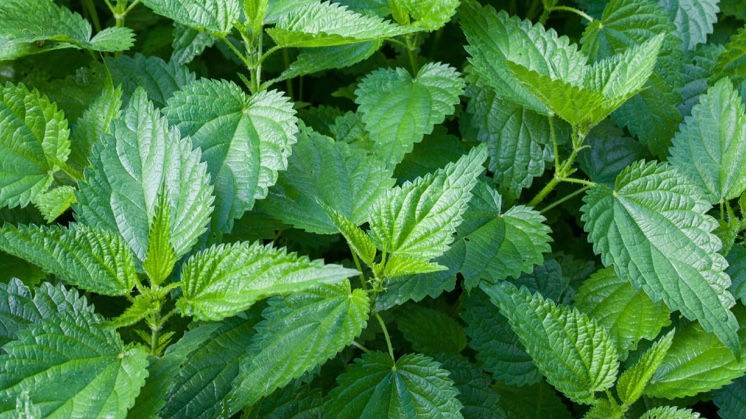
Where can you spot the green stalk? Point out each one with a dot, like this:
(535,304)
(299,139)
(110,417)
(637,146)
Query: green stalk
(386,335)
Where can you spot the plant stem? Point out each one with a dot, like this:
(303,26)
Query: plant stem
(572,10)
(545,191)
(288,82)
(411,47)
(90,9)
(359,268)
(555,148)
(361,347)
(386,335)
(563,199)
(155,327)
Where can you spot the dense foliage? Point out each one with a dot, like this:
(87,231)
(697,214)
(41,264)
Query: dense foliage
(372,208)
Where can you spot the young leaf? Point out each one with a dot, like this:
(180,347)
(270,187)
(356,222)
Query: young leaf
(323,24)
(377,386)
(65,344)
(89,258)
(313,60)
(397,266)
(398,109)
(215,17)
(33,142)
(430,331)
(675,254)
(429,14)
(358,241)
(91,127)
(161,258)
(576,355)
(669,412)
(697,362)
(731,399)
(226,279)
(479,399)
(693,18)
(633,381)
(54,24)
(500,245)
(142,157)
(418,219)
(53,203)
(300,331)
(188,43)
(159,78)
(628,314)
(324,172)
(142,306)
(711,145)
(247,140)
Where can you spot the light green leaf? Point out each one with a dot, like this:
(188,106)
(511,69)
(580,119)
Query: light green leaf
(141,307)
(53,203)
(603,409)
(226,279)
(693,18)
(246,140)
(429,14)
(398,109)
(54,27)
(91,127)
(397,266)
(159,78)
(66,344)
(576,355)
(300,331)
(675,255)
(732,62)
(142,157)
(376,386)
(710,147)
(188,43)
(430,331)
(25,408)
(95,260)
(697,362)
(359,242)
(313,60)
(161,257)
(418,219)
(669,412)
(500,245)
(324,172)
(634,380)
(731,399)
(215,17)
(323,24)
(33,142)
(628,314)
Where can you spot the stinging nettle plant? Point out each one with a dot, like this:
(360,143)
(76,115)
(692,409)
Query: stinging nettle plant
(369,208)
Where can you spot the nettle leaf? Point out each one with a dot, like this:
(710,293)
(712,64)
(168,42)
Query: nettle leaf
(18,309)
(628,314)
(161,256)
(326,24)
(429,14)
(91,127)
(226,279)
(496,39)
(675,255)
(64,343)
(436,150)
(313,60)
(515,138)
(188,43)
(159,78)
(696,70)
(500,245)
(479,399)
(33,142)
(131,166)
(669,412)
(377,386)
(321,170)
(650,115)
(537,401)
(732,62)
(576,355)
(294,401)
(215,17)
(53,203)
(359,242)
(246,140)
(737,271)
(300,331)
(142,306)
(430,331)
(398,109)
(731,399)
(609,151)
(418,219)
(54,27)
(694,19)
(710,147)
(95,260)
(497,346)
(697,362)
(634,380)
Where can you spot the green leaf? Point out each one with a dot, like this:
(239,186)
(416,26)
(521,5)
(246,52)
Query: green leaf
(500,245)
(655,207)
(294,401)
(246,140)
(634,380)
(732,62)
(160,258)
(205,377)
(313,60)
(514,135)
(497,346)
(358,241)
(324,172)
(539,401)
(188,43)
(693,18)
(327,24)
(142,306)
(66,344)
(91,127)
(710,147)
(603,409)
(628,314)
(215,17)
(300,331)
(430,331)
(696,70)
(404,265)
(54,27)
(142,157)
(479,399)
(92,259)
(376,386)
(398,109)
(576,355)
(435,151)
(608,153)
(18,309)
(53,203)
(429,14)
(731,399)
(226,279)
(669,412)
(25,408)
(737,271)
(33,142)
(697,362)
(159,78)
(418,219)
